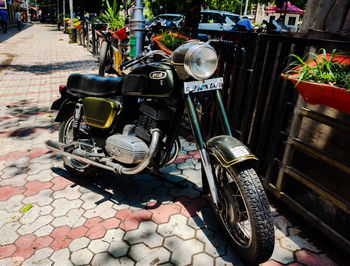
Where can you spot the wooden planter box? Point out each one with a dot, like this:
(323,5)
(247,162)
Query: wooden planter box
(324,94)
(157,40)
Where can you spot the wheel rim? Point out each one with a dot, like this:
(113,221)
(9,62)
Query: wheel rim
(234,214)
(68,138)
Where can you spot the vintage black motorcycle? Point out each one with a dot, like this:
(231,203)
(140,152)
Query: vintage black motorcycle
(130,125)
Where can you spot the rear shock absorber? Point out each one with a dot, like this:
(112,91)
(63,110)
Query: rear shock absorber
(77,119)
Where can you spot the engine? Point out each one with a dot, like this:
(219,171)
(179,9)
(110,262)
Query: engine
(152,115)
(131,147)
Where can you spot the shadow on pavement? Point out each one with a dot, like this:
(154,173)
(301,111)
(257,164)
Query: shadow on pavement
(12,31)
(49,68)
(138,190)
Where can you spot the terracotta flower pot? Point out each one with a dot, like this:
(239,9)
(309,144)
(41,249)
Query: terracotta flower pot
(157,40)
(324,94)
(120,34)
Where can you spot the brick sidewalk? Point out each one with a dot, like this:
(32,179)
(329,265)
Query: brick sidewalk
(104,220)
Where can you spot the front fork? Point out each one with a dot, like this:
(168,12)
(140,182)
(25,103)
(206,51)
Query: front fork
(200,142)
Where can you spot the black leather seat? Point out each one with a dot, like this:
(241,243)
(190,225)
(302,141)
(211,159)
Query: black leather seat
(91,85)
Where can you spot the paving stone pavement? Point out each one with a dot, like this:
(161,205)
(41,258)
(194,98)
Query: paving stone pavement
(104,220)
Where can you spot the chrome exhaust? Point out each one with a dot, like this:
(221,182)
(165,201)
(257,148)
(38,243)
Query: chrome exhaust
(107,164)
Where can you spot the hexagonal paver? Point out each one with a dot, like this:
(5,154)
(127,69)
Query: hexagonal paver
(113,235)
(162,212)
(8,234)
(105,259)
(82,257)
(40,257)
(193,175)
(43,198)
(34,212)
(146,233)
(91,199)
(145,256)
(203,259)
(43,176)
(118,249)
(16,181)
(70,219)
(230,258)
(62,206)
(98,246)
(103,210)
(282,255)
(60,256)
(182,251)
(44,231)
(215,243)
(32,227)
(177,226)
(79,243)
(68,193)
(13,204)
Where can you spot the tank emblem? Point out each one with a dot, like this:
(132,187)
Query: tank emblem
(158,75)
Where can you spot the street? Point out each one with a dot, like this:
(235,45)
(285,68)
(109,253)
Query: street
(49,217)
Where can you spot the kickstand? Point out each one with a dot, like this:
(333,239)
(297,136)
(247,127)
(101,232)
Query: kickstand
(165,177)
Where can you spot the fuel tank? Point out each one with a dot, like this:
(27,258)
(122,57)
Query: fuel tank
(157,80)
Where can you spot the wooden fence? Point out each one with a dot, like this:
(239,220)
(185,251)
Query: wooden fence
(263,114)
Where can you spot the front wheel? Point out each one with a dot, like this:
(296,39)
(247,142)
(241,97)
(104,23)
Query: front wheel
(105,61)
(245,213)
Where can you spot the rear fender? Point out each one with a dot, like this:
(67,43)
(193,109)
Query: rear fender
(230,151)
(65,109)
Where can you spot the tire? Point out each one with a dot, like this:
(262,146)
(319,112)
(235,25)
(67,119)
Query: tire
(65,135)
(245,206)
(104,59)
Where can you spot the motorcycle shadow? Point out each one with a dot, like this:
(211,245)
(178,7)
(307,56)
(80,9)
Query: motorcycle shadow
(164,196)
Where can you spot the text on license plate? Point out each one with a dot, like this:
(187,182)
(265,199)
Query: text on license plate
(203,85)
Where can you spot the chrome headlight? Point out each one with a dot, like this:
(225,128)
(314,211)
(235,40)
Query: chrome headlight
(201,61)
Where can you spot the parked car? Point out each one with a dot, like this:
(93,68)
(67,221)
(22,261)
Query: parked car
(167,18)
(213,20)
(217,20)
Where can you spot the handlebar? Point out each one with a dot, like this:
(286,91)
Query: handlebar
(140,57)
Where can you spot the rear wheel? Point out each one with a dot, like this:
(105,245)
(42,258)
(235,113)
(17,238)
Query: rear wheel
(245,214)
(65,135)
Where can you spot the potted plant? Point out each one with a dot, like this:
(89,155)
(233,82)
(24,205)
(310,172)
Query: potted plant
(168,41)
(324,79)
(115,20)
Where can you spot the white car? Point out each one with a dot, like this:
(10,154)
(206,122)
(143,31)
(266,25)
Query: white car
(214,20)
(217,20)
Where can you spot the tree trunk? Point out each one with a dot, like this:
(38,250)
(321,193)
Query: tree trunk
(346,25)
(336,16)
(327,15)
(309,15)
(322,11)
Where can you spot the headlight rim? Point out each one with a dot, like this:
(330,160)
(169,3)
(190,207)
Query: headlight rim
(187,59)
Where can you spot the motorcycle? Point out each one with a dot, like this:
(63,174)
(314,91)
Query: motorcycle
(113,51)
(130,125)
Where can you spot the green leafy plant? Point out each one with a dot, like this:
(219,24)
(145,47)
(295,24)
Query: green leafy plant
(325,71)
(171,41)
(113,17)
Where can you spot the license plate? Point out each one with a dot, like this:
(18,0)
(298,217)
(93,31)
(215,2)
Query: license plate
(203,85)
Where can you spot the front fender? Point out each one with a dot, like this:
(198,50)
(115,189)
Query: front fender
(229,151)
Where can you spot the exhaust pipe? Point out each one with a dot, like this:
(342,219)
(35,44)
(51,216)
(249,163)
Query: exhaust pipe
(58,147)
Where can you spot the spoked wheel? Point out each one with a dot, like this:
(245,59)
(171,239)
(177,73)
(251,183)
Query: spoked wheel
(65,135)
(245,214)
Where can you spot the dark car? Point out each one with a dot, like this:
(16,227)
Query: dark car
(167,18)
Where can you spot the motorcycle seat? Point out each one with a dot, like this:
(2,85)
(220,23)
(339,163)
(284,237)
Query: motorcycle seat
(91,85)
